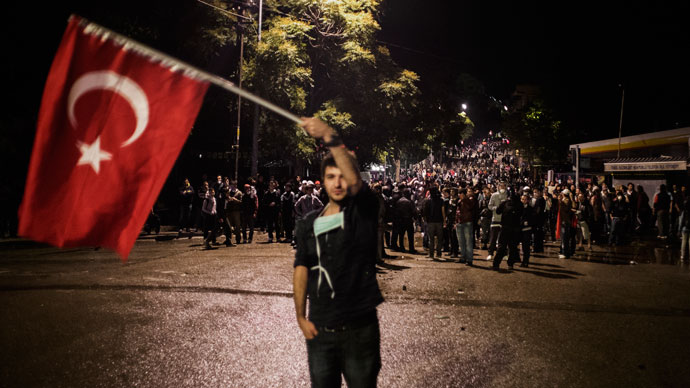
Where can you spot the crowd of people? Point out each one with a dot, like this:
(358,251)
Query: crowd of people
(481,196)
(223,208)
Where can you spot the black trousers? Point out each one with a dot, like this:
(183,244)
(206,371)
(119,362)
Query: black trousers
(395,234)
(508,240)
(493,239)
(288,226)
(406,227)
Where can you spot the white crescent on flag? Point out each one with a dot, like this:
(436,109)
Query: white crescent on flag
(109,80)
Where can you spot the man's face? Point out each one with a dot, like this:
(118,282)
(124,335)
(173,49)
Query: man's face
(186,182)
(335,184)
(219,178)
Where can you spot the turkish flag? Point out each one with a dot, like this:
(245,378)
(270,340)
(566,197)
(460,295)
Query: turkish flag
(113,119)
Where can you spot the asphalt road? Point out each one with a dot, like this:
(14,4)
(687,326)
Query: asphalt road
(177,316)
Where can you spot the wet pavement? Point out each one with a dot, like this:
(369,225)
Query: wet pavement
(175,315)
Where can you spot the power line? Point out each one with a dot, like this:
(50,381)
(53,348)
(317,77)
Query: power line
(224,11)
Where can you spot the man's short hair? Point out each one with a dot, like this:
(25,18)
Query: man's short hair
(328,161)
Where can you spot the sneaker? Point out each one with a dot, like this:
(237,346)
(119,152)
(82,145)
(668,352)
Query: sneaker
(488,258)
(561,256)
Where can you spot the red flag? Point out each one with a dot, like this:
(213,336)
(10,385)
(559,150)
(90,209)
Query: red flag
(112,121)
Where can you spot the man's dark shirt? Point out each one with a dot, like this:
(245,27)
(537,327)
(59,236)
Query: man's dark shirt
(511,211)
(404,209)
(433,209)
(349,256)
(186,195)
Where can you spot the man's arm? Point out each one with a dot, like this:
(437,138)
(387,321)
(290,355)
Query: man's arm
(299,284)
(345,161)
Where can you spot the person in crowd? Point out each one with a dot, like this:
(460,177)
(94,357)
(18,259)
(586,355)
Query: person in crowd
(287,211)
(233,213)
(677,201)
(644,211)
(201,194)
(250,207)
(584,215)
(596,227)
(465,223)
(539,205)
(306,204)
(445,196)
(632,197)
(684,226)
(271,206)
(662,208)
(378,190)
(619,213)
(496,199)
(566,218)
(485,215)
(509,238)
(607,203)
(435,218)
(451,223)
(209,213)
(405,212)
(218,186)
(397,227)
(527,222)
(186,197)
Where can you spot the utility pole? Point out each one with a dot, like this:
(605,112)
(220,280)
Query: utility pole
(255,132)
(239,104)
(620,123)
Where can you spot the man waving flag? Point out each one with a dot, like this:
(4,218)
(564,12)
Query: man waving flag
(114,116)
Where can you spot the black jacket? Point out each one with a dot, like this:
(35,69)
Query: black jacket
(511,212)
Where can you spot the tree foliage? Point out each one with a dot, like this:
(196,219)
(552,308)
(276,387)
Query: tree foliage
(537,132)
(322,58)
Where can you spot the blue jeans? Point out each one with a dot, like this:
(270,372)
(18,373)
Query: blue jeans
(435,233)
(354,353)
(616,231)
(465,240)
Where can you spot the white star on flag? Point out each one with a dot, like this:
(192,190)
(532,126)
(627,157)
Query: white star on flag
(92,154)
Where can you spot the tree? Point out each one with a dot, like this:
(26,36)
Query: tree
(322,58)
(537,132)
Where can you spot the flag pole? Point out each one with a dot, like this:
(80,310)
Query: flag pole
(175,65)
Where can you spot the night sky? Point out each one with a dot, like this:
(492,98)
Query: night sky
(577,52)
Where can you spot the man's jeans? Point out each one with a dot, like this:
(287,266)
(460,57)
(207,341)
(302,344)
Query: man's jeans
(435,232)
(616,231)
(466,240)
(354,353)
